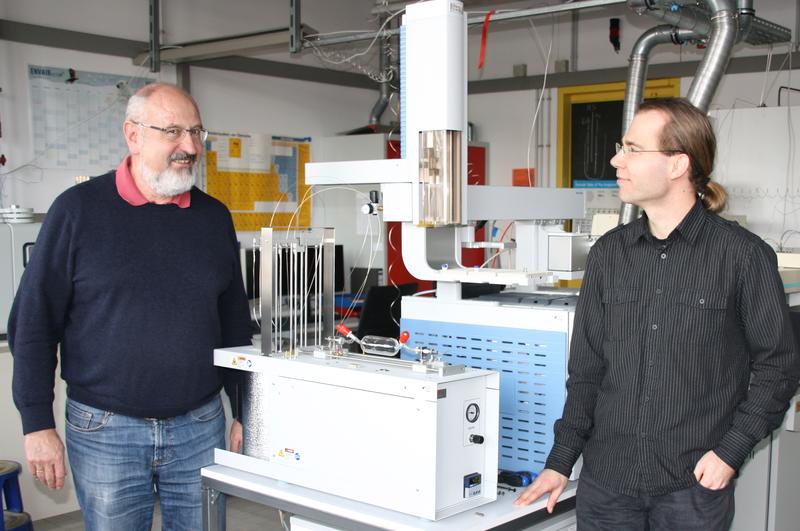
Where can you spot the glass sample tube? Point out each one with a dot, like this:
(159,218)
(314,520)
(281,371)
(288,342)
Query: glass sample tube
(380,346)
(440,178)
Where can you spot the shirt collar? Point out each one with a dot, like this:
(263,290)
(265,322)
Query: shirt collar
(127,189)
(688,228)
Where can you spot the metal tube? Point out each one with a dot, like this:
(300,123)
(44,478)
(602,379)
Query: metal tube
(281,291)
(265,296)
(292,296)
(318,296)
(301,292)
(329,264)
(684,18)
(712,66)
(637,72)
(746,15)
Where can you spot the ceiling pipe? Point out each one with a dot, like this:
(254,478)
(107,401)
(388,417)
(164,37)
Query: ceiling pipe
(746,15)
(684,18)
(724,29)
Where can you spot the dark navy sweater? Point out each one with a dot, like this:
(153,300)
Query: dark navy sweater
(137,297)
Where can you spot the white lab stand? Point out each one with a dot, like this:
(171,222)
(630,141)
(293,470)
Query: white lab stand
(219,481)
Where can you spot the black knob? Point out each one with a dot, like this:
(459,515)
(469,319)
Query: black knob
(476,439)
(375,196)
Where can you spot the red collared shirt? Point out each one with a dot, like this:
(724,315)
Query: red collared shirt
(127,189)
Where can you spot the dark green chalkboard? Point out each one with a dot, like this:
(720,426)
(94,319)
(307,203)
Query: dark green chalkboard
(596,127)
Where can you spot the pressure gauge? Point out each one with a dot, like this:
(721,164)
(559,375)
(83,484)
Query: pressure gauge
(473,412)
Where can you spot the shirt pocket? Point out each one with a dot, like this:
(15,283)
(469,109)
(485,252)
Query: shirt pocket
(620,312)
(701,315)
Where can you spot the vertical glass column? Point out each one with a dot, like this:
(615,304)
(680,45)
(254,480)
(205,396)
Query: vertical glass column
(440,178)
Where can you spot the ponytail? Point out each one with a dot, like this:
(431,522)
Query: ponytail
(714,197)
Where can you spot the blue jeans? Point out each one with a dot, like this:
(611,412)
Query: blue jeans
(120,464)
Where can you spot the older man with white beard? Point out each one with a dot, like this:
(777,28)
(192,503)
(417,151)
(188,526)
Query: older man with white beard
(135,276)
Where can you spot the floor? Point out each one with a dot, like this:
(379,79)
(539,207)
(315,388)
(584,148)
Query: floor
(243,515)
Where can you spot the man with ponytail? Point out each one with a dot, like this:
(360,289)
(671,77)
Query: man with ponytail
(682,356)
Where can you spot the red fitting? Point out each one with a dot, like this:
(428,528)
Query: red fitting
(342,329)
(404,337)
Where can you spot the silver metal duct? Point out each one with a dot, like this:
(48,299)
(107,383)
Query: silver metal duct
(637,71)
(724,29)
(746,16)
(684,18)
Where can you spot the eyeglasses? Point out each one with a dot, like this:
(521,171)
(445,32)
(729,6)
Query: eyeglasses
(629,150)
(176,134)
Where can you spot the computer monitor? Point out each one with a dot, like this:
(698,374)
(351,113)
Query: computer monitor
(251,267)
(364,278)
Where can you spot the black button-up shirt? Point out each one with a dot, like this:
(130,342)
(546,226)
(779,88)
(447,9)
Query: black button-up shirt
(680,346)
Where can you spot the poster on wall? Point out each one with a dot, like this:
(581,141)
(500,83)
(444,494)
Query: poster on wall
(77,117)
(260,178)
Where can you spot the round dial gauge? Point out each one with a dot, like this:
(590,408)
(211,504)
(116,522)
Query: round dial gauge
(473,412)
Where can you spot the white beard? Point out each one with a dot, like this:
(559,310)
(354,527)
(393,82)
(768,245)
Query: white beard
(170,182)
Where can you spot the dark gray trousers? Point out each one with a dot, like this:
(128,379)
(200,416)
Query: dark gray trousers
(692,509)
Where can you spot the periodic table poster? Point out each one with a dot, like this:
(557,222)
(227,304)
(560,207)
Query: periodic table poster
(260,178)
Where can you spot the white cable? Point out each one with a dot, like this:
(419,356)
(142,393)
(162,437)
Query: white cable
(538,105)
(426,292)
(495,255)
(766,75)
(371,44)
(368,236)
(777,74)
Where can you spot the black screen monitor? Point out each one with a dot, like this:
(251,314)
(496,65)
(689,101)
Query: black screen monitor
(252,266)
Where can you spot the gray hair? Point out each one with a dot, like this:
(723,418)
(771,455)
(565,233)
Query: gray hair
(136,111)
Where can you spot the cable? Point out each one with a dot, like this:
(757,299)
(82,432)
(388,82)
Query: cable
(538,104)
(426,292)
(784,87)
(367,236)
(778,71)
(501,238)
(766,75)
(495,255)
(327,56)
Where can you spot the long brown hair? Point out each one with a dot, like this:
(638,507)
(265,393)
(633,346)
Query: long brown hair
(688,130)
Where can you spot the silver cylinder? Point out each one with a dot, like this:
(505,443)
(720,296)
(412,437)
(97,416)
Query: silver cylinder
(255,393)
(712,67)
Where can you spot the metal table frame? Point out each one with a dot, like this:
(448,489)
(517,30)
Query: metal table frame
(219,481)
